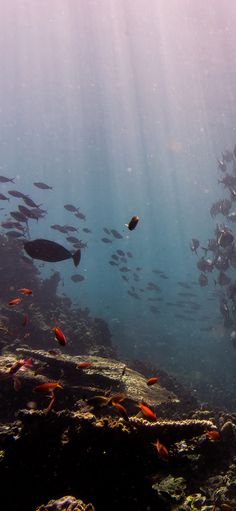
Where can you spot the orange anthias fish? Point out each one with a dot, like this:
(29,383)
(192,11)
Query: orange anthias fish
(47,387)
(84,365)
(27,362)
(60,337)
(151,381)
(147,411)
(25,291)
(213,434)
(121,409)
(161,449)
(15,301)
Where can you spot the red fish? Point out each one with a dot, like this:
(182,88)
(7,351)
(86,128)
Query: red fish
(25,291)
(60,337)
(213,434)
(47,387)
(15,301)
(121,409)
(84,365)
(27,362)
(147,411)
(161,449)
(151,381)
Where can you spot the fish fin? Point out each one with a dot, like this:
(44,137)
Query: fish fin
(76,257)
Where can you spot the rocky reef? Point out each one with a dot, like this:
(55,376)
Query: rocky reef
(83,446)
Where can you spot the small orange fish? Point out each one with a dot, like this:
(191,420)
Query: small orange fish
(133,222)
(213,434)
(84,365)
(60,337)
(20,363)
(147,411)
(151,381)
(45,387)
(121,409)
(25,291)
(161,449)
(15,301)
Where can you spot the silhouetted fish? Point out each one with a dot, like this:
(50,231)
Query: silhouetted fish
(17,194)
(70,208)
(43,186)
(3,197)
(116,234)
(106,240)
(50,251)
(77,278)
(4,179)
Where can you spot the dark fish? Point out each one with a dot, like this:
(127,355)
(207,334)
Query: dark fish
(70,228)
(133,294)
(72,239)
(70,208)
(106,230)
(47,250)
(125,278)
(27,200)
(86,230)
(77,278)
(120,252)
(223,279)
(43,186)
(11,225)
(115,257)
(129,254)
(112,263)
(3,197)
(28,212)
(185,285)
(124,269)
(194,245)
(59,228)
(14,234)
(116,234)
(17,194)
(4,179)
(133,223)
(19,216)
(80,244)
(106,240)
(163,276)
(80,215)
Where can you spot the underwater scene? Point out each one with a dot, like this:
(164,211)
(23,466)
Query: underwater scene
(118,255)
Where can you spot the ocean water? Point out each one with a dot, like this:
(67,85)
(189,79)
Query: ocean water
(123,107)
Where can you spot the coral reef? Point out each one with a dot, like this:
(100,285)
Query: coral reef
(67,503)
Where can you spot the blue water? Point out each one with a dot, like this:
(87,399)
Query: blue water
(124,107)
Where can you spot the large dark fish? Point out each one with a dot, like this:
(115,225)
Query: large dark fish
(17,194)
(4,179)
(50,251)
(43,186)
(71,208)
(116,234)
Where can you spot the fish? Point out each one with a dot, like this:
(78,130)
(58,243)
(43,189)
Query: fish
(17,194)
(129,254)
(70,228)
(151,381)
(19,216)
(43,186)
(71,208)
(112,263)
(106,230)
(45,387)
(20,363)
(77,278)
(203,280)
(50,251)
(15,301)
(213,434)
(80,215)
(106,240)
(86,230)
(14,234)
(161,449)
(147,411)
(27,200)
(121,409)
(133,222)
(84,365)
(3,197)
(120,252)
(4,179)
(72,239)
(25,291)
(116,234)
(60,337)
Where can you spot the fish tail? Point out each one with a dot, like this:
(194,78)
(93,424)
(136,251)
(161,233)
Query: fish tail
(76,257)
